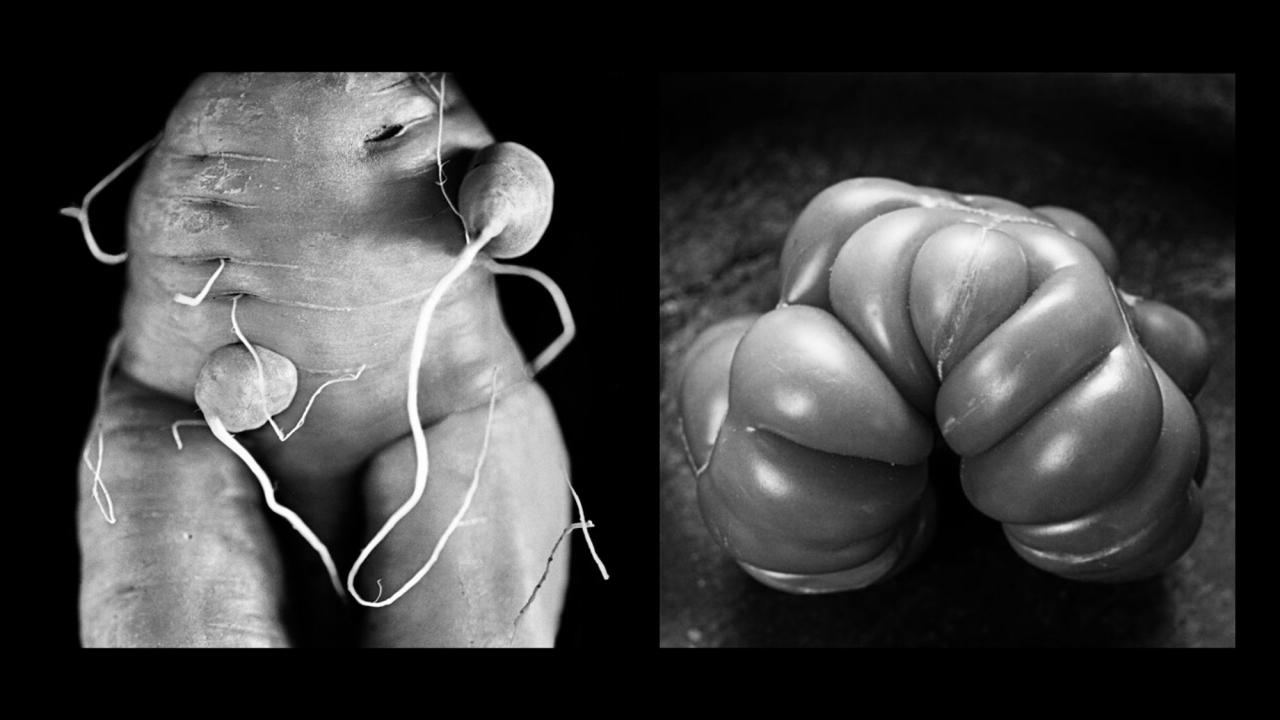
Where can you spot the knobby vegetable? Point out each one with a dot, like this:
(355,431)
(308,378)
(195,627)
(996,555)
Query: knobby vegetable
(292,234)
(906,312)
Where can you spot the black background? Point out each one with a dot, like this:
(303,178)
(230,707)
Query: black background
(599,248)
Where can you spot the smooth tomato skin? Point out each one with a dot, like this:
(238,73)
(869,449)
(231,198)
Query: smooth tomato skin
(1066,460)
(775,410)
(965,282)
(870,286)
(781,506)
(704,385)
(1067,326)
(801,374)
(824,226)
(1176,342)
(1083,229)
(999,321)
(1128,537)
(909,541)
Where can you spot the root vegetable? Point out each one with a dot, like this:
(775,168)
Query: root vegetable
(312,208)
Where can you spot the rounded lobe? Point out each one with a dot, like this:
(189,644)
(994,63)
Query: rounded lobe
(781,506)
(1078,452)
(799,373)
(870,285)
(966,281)
(824,226)
(1120,536)
(908,543)
(1083,229)
(231,387)
(704,386)
(1069,323)
(1175,341)
(508,186)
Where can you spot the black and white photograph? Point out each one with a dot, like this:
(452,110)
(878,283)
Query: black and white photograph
(364,360)
(349,360)
(947,360)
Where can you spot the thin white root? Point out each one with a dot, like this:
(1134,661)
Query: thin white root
(440,179)
(586,524)
(558,345)
(417,494)
(262,378)
(178,440)
(345,378)
(108,510)
(194,301)
(416,354)
(82,213)
(100,494)
(257,361)
(220,431)
(235,327)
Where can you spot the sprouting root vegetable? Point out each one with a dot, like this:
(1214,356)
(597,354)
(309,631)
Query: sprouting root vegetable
(231,388)
(297,233)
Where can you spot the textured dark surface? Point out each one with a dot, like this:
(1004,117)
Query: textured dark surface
(1151,159)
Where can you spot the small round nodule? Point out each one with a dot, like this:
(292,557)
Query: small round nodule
(230,388)
(509,188)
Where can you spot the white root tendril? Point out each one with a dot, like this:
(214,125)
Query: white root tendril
(419,487)
(586,525)
(558,345)
(100,494)
(174,428)
(440,178)
(416,354)
(345,378)
(194,301)
(262,378)
(82,213)
(226,438)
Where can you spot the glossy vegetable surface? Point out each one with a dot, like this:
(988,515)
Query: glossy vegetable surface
(906,309)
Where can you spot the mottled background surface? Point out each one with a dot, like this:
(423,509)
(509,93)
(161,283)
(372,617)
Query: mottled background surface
(1151,159)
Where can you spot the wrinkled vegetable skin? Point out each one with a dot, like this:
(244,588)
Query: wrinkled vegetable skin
(905,308)
(320,192)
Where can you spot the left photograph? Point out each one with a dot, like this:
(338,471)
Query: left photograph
(342,378)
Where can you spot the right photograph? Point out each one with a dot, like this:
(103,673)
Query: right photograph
(947,360)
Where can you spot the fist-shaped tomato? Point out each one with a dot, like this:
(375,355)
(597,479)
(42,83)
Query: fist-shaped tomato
(909,312)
